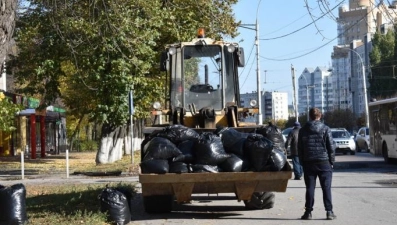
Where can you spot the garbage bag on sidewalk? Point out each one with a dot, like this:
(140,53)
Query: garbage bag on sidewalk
(115,203)
(13,205)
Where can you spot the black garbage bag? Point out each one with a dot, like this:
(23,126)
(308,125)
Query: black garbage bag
(178,133)
(276,161)
(273,133)
(13,205)
(258,150)
(160,148)
(186,147)
(159,166)
(202,168)
(116,205)
(178,167)
(232,164)
(233,140)
(208,150)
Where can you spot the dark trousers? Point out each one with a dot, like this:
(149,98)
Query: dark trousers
(298,170)
(324,173)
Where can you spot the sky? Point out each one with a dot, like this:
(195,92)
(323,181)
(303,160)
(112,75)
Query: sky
(292,39)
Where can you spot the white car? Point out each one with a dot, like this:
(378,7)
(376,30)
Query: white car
(362,139)
(285,133)
(344,141)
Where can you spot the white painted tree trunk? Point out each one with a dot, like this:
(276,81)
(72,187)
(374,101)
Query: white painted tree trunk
(117,142)
(111,147)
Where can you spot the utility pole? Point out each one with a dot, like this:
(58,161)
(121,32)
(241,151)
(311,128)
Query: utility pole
(294,89)
(131,112)
(258,73)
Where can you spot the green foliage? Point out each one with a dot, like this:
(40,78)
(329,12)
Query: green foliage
(92,53)
(383,75)
(340,119)
(88,146)
(8,111)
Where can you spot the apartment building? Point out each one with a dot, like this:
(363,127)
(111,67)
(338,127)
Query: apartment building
(315,89)
(274,104)
(356,25)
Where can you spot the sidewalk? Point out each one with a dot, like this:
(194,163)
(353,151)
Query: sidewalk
(342,162)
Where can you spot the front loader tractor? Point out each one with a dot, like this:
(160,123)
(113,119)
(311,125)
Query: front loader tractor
(202,88)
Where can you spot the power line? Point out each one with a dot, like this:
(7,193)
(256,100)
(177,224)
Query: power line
(299,56)
(285,35)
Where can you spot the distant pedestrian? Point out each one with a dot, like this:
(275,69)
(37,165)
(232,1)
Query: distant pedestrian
(292,141)
(316,152)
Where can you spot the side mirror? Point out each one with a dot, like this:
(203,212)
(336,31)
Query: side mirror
(240,57)
(163,61)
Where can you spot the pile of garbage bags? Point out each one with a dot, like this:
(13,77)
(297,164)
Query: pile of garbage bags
(179,149)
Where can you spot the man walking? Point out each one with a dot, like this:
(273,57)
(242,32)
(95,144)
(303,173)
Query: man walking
(316,152)
(292,141)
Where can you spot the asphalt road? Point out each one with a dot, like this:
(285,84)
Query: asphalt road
(364,193)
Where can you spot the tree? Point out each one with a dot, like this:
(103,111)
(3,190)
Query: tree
(92,53)
(7,21)
(340,118)
(8,111)
(383,75)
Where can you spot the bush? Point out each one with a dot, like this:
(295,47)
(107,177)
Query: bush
(88,146)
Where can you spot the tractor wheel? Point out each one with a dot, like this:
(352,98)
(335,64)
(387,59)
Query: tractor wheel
(158,203)
(260,200)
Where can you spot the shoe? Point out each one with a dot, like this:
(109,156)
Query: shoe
(298,178)
(307,216)
(330,215)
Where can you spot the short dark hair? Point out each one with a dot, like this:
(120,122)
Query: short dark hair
(315,113)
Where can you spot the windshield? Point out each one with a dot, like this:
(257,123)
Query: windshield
(202,77)
(340,134)
(286,131)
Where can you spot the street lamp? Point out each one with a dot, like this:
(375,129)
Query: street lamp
(307,97)
(364,87)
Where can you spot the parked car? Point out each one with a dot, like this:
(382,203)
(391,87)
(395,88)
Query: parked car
(344,141)
(362,139)
(285,133)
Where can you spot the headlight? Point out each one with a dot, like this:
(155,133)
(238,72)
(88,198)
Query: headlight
(231,48)
(156,105)
(172,50)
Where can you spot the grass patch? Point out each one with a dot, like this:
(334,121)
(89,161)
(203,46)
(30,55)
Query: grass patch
(68,204)
(79,162)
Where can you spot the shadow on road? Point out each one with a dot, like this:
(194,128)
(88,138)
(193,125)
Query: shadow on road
(363,162)
(200,209)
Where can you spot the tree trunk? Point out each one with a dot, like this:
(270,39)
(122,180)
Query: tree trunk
(111,146)
(7,24)
(137,137)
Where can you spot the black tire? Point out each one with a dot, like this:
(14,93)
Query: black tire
(352,152)
(385,154)
(158,203)
(260,200)
(358,149)
(366,147)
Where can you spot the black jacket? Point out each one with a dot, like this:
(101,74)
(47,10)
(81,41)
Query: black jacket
(315,143)
(292,141)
